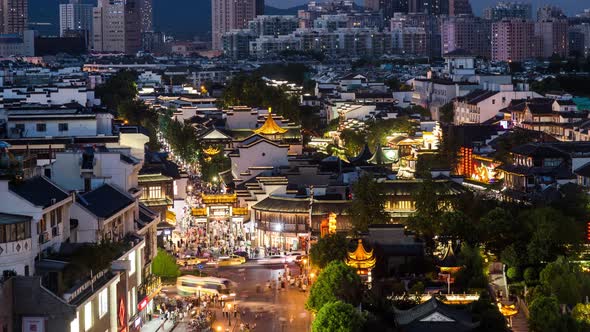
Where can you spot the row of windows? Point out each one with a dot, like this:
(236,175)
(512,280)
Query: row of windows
(42,127)
(15,232)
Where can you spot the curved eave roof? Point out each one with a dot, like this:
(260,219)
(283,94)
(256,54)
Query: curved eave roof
(301,205)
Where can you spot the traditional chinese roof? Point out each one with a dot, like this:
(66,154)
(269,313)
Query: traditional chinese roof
(270,127)
(380,157)
(433,315)
(360,258)
(449,259)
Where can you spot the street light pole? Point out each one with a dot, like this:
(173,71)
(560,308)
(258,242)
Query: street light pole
(229,314)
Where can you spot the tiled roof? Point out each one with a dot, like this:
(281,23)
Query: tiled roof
(39,191)
(104,201)
(8,219)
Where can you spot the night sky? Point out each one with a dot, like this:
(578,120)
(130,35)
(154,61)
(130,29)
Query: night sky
(186,18)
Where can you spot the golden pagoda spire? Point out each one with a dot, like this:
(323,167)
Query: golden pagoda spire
(360,258)
(270,127)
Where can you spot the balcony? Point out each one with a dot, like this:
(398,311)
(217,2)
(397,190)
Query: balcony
(15,247)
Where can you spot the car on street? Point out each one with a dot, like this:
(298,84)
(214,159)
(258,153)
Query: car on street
(274,259)
(242,254)
(301,259)
(190,261)
(231,260)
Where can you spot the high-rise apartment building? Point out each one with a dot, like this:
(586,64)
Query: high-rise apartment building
(13,16)
(389,7)
(371,5)
(508,10)
(514,40)
(259,7)
(228,15)
(116,26)
(550,12)
(146,9)
(75,17)
(416,33)
(459,7)
(579,39)
(466,32)
(553,37)
(433,7)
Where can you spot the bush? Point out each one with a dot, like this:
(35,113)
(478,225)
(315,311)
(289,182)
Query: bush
(164,265)
(514,273)
(337,282)
(531,275)
(338,316)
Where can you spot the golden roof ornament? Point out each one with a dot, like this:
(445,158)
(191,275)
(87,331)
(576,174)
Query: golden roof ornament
(270,127)
(211,151)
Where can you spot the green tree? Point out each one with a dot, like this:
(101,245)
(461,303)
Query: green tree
(118,88)
(488,314)
(338,317)
(354,141)
(327,249)
(544,315)
(581,314)
(553,234)
(425,221)
(447,113)
(164,265)
(514,273)
(337,282)
(501,230)
(378,131)
(367,204)
(252,90)
(565,281)
(471,274)
(530,275)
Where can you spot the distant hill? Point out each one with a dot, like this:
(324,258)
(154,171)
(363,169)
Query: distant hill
(270,10)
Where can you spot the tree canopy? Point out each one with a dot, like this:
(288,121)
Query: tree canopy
(164,265)
(338,317)
(251,90)
(337,282)
(367,203)
(378,130)
(327,249)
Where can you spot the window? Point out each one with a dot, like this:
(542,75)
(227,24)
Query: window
(20,127)
(87,316)
(75,324)
(155,192)
(41,127)
(103,303)
(132,262)
(62,127)
(133,301)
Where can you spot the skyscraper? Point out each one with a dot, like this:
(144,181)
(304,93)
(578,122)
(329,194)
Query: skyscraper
(230,14)
(459,7)
(259,7)
(13,16)
(116,26)
(508,10)
(146,8)
(389,7)
(372,4)
(75,17)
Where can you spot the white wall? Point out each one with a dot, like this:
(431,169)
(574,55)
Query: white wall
(261,154)
(78,127)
